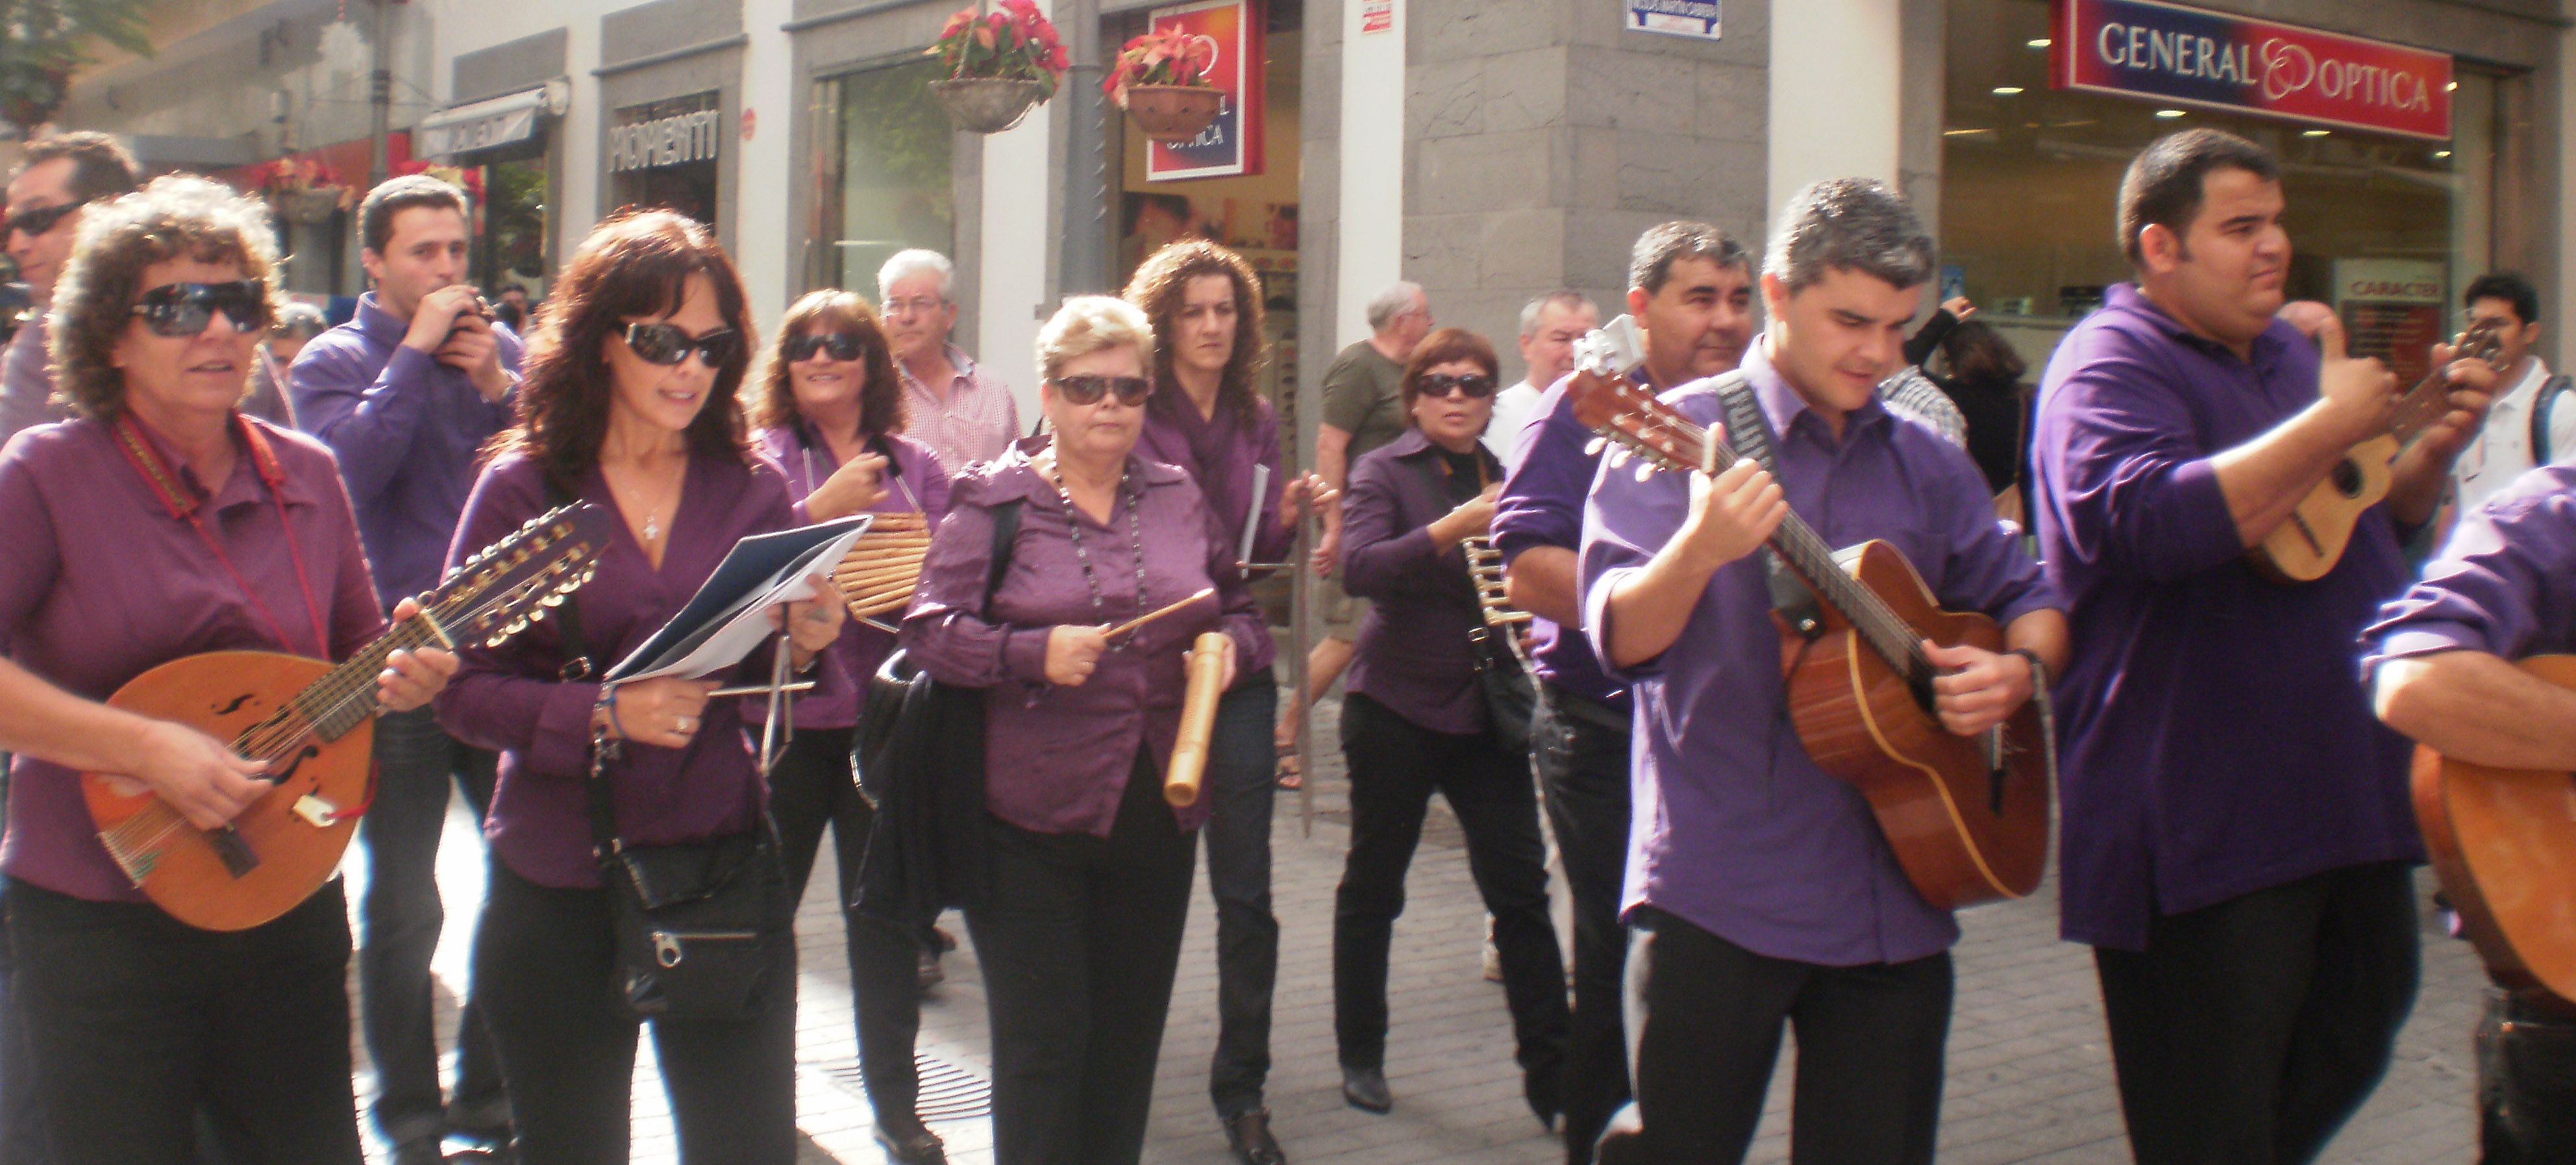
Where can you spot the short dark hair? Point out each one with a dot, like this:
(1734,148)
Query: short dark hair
(396,195)
(2509,287)
(101,167)
(1650,262)
(1849,224)
(1442,347)
(2163,185)
(514,285)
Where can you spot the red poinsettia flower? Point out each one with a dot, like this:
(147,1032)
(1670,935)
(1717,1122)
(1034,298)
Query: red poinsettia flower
(957,23)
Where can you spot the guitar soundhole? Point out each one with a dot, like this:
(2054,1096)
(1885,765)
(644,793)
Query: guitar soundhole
(2347,478)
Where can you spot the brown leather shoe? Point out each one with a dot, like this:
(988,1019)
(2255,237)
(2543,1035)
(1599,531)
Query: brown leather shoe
(1248,1134)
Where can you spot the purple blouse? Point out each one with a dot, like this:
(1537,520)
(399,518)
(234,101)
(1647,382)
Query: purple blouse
(1057,758)
(914,482)
(1414,653)
(99,584)
(1218,453)
(510,699)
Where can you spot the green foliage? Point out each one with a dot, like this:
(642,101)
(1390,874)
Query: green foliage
(47,40)
(1015,43)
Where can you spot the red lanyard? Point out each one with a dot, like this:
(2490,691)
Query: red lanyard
(163,479)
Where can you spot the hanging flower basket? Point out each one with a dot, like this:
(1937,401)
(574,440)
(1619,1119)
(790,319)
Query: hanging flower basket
(310,205)
(1173,113)
(985,104)
(1000,64)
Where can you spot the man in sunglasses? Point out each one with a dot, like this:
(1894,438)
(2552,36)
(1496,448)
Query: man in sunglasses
(406,393)
(55,178)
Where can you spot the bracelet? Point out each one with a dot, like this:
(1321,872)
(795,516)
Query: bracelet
(2038,670)
(608,699)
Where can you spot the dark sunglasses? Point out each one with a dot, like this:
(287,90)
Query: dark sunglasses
(1476,385)
(1087,390)
(42,219)
(667,344)
(842,346)
(186,309)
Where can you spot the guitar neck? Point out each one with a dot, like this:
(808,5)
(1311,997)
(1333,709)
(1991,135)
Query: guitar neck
(2422,405)
(345,696)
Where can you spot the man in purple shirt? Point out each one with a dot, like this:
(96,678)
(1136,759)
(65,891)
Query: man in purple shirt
(1692,288)
(2443,660)
(1760,888)
(2236,832)
(406,394)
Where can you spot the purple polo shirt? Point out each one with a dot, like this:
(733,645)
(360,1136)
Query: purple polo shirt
(914,482)
(408,431)
(2215,740)
(1735,830)
(1414,653)
(99,584)
(1542,505)
(509,698)
(2504,584)
(1057,758)
(1218,453)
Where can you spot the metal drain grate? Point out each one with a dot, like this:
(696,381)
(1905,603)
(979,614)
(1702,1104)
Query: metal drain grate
(948,1092)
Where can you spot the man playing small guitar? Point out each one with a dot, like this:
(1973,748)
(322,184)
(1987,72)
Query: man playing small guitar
(2235,828)
(2444,659)
(1763,892)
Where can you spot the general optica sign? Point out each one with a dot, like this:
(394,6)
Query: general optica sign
(2192,56)
(1231,145)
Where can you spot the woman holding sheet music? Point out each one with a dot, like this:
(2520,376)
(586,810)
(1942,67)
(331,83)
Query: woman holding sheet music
(630,405)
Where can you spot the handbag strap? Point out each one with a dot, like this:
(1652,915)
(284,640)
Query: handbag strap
(1006,533)
(577,666)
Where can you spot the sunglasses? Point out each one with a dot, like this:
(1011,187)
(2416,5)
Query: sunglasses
(1087,390)
(1476,385)
(186,309)
(41,219)
(667,344)
(841,345)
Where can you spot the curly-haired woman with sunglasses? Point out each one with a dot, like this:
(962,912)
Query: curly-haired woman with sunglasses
(629,405)
(163,524)
(827,405)
(1414,723)
(1089,875)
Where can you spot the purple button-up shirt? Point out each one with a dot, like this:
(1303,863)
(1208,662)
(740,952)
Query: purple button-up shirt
(27,381)
(971,418)
(1219,453)
(1542,505)
(510,698)
(2215,738)
(1414,654)
(1735,830)
(2505,583)
(1057,759)
(408,430)
(913,482)
(98,583)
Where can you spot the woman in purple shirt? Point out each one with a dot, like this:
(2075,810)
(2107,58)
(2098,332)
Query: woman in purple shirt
(160,525)
(1414,722)
(1089,884)
(827,406)
(630,406)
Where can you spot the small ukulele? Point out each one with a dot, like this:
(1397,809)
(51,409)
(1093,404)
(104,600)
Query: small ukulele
(313,722)
(2504,843)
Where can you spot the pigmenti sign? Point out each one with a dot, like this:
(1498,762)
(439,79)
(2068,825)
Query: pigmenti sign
(2192,56)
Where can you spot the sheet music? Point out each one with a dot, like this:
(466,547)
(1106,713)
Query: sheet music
(729,615)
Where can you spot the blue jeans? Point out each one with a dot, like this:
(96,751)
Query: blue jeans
(1242,764)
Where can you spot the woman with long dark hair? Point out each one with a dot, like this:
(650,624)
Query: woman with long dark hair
(628,404)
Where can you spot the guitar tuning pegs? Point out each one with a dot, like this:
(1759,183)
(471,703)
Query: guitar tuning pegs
(1645,469)
(495,640)
(1593,447)
(537,614)
(1619,457)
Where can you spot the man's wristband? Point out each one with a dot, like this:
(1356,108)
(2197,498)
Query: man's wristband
(2038,670)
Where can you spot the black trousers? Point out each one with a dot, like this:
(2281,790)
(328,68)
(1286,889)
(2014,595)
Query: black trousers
(1079,937)
(542,963)
(2526,1080)
(811,788)
(1707,1014)
(1242,768)
(1579,747)
(137,1022)
(1396,765)
(2247,1032)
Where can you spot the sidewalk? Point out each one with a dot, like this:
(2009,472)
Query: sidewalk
(2029,1072)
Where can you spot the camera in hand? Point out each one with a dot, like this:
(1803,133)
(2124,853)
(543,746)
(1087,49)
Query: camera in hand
(17,306)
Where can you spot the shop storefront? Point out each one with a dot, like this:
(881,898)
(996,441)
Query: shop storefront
(885,173)
(664,154)
(506,145)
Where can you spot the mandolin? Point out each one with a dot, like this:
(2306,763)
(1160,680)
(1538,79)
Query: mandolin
(2504,844)
(1967,818)
(313,722)
(2311,540)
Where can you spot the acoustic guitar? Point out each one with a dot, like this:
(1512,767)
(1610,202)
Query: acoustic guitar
(2309,543)
(1967,819)
(2504,844)
(313,722)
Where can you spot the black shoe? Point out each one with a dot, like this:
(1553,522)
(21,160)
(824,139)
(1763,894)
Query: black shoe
(1544,1089)
(921,1148)
(1248,1134)
(1365,1090)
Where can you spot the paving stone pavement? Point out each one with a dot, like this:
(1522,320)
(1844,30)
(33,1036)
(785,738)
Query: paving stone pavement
(2029,1071)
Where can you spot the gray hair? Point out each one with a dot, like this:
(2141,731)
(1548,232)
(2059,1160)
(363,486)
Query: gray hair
(1572,301)
(1854,224)
(1650,262)
(1396,299)
(300,320)
(906,264)
(1093,323)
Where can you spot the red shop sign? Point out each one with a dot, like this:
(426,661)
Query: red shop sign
(2192,56)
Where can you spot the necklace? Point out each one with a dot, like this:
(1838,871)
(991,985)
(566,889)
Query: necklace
(653,514)
(1082,554)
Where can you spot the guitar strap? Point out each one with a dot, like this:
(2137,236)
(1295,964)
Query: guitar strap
(1749,433)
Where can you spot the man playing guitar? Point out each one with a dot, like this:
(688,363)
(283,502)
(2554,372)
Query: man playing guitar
(1761,889)
(2236,830)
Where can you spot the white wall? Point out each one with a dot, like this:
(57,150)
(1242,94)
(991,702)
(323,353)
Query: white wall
(761,233)
(464,26)
(1835,72)
(1371,252)
(1013,283)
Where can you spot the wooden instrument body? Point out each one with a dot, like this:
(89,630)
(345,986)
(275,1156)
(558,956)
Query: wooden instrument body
(1206,685)
(2312,539)
(223,694)
(2504,844)
(1963,831)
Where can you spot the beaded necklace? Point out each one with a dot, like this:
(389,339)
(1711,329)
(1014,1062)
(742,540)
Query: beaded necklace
(1082,554)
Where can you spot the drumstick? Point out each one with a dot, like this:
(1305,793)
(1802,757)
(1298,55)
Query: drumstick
(761,689)
(1129,627)
(1198,720)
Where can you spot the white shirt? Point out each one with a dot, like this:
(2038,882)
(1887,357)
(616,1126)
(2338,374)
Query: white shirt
(2502,449)
(1513,409)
